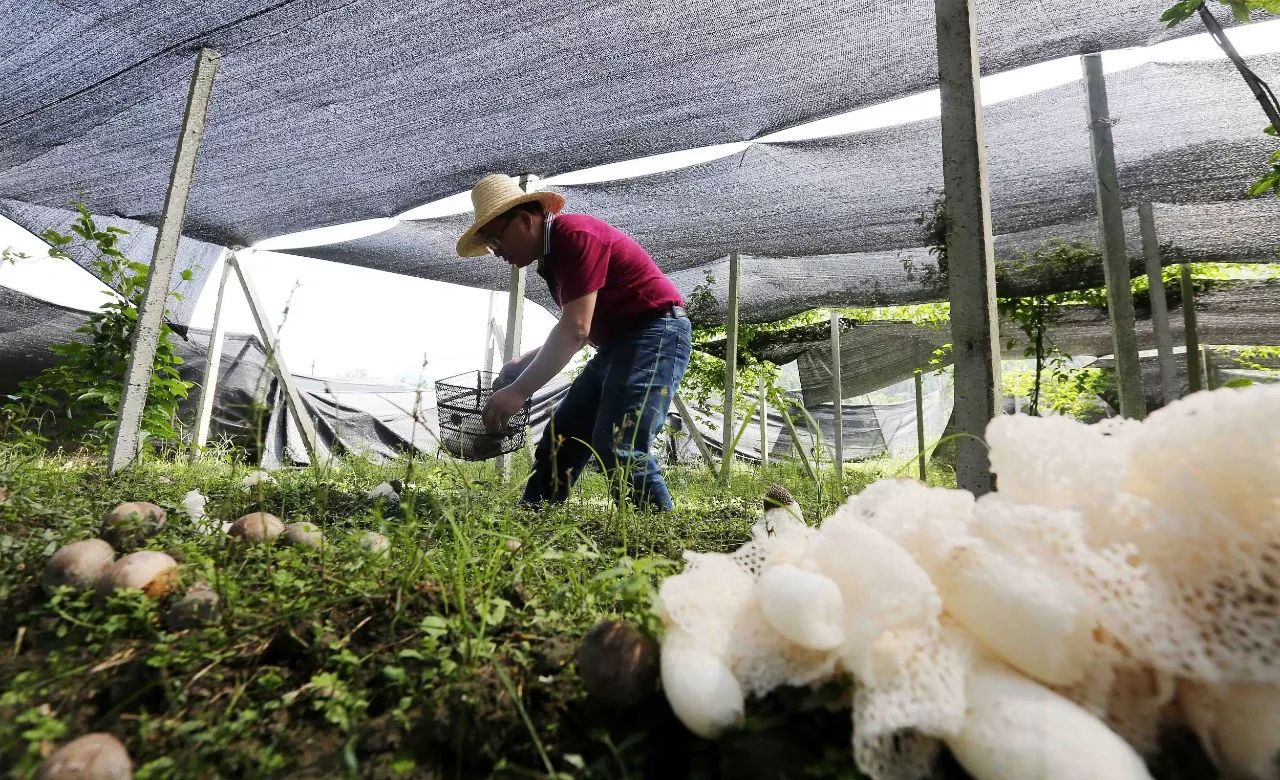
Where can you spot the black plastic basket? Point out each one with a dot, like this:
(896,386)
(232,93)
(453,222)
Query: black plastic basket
(459,401)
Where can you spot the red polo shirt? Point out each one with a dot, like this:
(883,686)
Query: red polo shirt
(588,255)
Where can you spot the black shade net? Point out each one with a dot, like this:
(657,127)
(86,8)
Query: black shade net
(328,111)
(137,244)
(834,221)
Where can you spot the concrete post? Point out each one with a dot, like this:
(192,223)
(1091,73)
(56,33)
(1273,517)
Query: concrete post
(1159,306)
(837,400)
(1115,255)
(730,367)
(970,259)
(764,423)
(213,362)
(1189,336)
(275,359)
(692,427)
(924,469)
(147,331)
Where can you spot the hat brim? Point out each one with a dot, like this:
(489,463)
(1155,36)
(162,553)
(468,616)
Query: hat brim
(471,245)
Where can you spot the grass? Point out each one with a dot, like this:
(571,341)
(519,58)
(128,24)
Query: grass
(449,657)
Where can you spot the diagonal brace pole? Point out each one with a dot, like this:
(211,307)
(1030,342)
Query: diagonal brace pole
(148,330)
(276,360)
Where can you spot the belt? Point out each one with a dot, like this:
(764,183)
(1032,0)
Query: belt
(674,312)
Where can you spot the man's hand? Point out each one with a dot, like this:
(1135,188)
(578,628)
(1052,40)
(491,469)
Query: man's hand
(502,405)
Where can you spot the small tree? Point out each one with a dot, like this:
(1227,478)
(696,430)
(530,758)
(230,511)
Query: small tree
(1241,9)
(81,394)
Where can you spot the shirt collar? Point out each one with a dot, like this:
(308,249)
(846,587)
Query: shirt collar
(547,221)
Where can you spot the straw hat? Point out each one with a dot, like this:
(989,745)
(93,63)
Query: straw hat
(493,195)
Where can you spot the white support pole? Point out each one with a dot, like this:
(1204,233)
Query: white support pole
(837,400)
(147,332)
(1115,254)
(276,360)
(795,439)
(488,336)
(1159,305)
(764,422)
(924,469)
(692,427)
(1189,335)
(213,362)
(730,367)
(970,259)
(515,322)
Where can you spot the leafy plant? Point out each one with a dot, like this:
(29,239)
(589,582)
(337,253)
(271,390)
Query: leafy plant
(1185,9)
(933,222)
(1033,314)
(1241,9)
(81,394)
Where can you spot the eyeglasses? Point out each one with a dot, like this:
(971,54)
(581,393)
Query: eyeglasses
(493,238)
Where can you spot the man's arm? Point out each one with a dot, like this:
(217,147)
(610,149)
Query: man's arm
(514,367)
(567,337)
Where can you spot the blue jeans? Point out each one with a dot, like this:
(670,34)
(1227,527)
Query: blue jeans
(616,408)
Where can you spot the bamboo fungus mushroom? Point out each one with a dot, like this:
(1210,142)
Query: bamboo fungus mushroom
(1015,728)
(129,525)
(703,692)
(154,573)
(97,756)
(375,543)
(256,527)
(79,564)
(303,535)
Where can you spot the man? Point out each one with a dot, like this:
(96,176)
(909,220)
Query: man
(612,295)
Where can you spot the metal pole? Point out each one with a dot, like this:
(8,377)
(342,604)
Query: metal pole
(924,471)
(1189,336)
(213,361)
(1115,255)
(692,426)
(276,360)
(837,400)
(1210,379)
(764,423)
(970,259)
(1159,306)
(147,331)
(730,367)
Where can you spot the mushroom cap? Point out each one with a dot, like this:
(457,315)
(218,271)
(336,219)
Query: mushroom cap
(199,606)
(778,496)
(1014,727)
(702,691)
(79,564)
(375,542)
(303,534)
(131,523)
(152,572)
(618,664)
(256,527)
(803,606)
(98,756)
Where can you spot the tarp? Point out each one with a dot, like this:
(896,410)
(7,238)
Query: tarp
(328,111)
(874,354)
(138,243)
(834,221)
